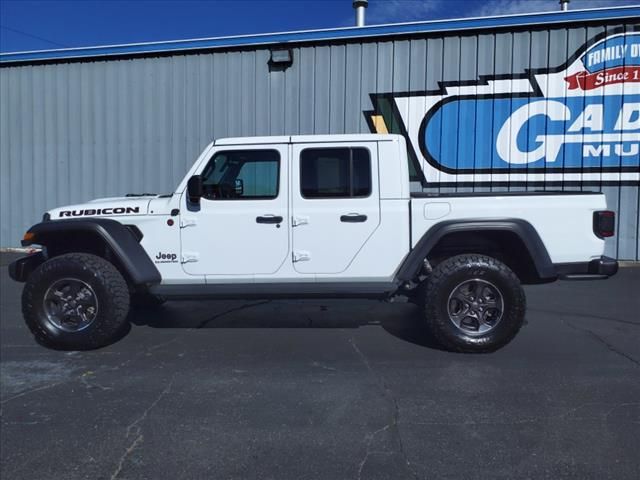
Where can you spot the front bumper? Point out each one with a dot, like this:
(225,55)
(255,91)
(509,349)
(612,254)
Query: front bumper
(21,268)
(597,269)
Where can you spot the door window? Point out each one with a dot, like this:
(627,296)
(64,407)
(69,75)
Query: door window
(242,175)
(335,173)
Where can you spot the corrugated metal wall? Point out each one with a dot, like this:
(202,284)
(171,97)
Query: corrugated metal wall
(75,131)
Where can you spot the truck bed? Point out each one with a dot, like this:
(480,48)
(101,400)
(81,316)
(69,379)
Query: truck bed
(563,220)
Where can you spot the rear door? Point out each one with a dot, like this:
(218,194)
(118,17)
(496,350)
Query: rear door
(336,204)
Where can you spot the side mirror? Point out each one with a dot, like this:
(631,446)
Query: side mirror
(195,189)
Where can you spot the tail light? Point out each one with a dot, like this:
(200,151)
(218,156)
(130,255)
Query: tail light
(604,223)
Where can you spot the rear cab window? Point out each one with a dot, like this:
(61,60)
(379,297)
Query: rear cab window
(342,172)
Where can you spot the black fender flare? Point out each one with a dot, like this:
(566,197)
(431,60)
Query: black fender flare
(120,240)
(523,229)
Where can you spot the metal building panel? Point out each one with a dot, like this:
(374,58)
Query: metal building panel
(307,60)
(38,177)
(502,66)
(417,68)
(417,74)
(322,82)
(627,221)
(435,68)
(449,140)
(25,125)
(276,102)
(401,69)
(337,82)
(162,129)
(248,100)
(353,106)
(263,104)
(291,98)
(221,97)
(234,80)
(521,62)
(204,71)
(384,71)
(11,182)
(193,103)
(468,71)
(6,203)
(369,80)
(485,66)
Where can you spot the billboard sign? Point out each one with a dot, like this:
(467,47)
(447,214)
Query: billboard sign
(578,123)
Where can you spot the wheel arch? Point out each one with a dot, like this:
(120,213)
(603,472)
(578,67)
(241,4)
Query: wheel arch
(101,236)
(462,236)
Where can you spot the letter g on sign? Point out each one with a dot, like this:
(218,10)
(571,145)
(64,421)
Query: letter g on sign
(507,140)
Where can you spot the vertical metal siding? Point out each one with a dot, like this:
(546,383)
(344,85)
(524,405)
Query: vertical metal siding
(76,131)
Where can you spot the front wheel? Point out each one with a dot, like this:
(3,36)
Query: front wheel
(473,303)
(75,301)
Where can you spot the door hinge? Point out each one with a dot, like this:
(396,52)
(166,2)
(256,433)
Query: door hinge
(297,221)
(188,257)
(187,222)
(301,256)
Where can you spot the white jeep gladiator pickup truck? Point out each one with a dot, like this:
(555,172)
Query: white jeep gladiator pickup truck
(307,217)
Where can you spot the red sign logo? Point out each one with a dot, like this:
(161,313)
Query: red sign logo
(588,81)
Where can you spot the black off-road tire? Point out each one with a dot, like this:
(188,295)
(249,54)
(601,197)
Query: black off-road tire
(110,289)
(441,284)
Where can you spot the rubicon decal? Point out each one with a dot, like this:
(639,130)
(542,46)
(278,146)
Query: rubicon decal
(91,212)
(576,123)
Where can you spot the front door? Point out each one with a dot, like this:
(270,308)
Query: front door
(336,204)
(241,227)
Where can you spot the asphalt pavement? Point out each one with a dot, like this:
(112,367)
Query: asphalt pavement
(329,390)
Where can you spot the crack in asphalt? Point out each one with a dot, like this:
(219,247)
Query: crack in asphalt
(139,436)
(605,343)
(568,415)
(231,310)
(368,452)
(395,417)
(37,389)
(137,441)
(82,377)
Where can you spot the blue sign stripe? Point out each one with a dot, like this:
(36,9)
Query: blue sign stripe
(574,133)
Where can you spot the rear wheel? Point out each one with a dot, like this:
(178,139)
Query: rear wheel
(473,303)
(76,301)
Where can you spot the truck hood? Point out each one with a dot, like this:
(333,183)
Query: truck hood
(104,207)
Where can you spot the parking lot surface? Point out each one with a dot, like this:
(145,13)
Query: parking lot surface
(329,390)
